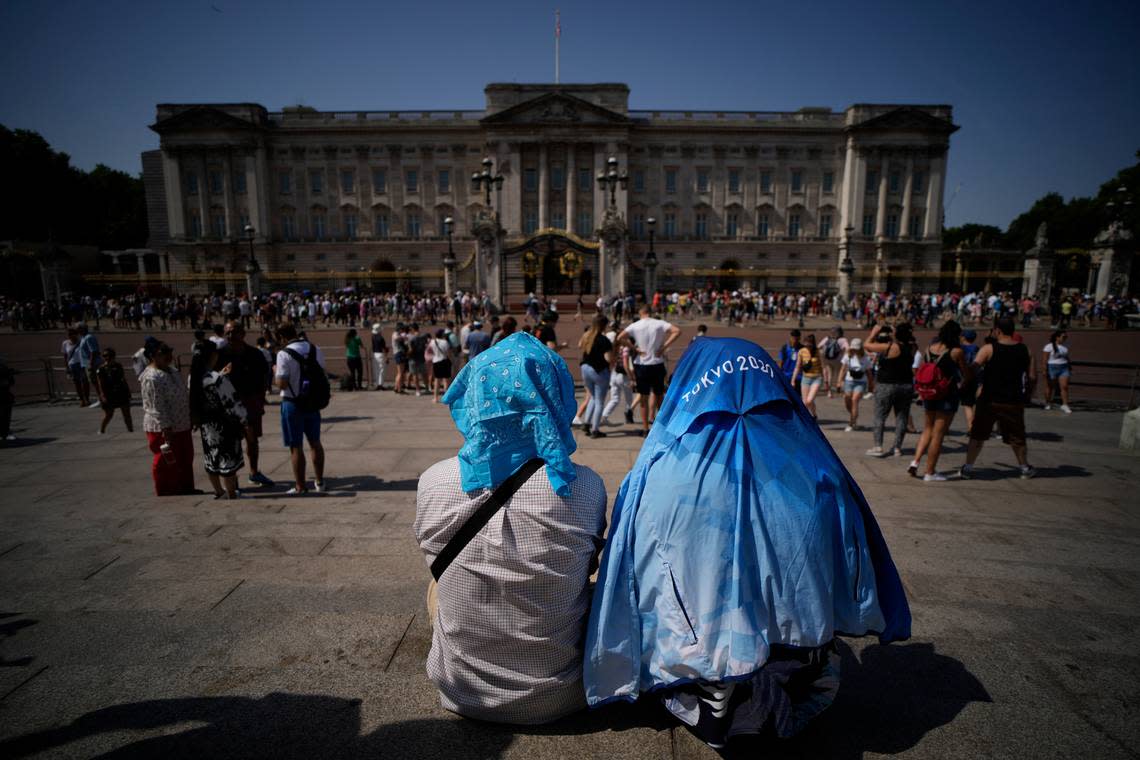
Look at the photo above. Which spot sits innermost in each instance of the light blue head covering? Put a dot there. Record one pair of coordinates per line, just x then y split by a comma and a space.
512, 403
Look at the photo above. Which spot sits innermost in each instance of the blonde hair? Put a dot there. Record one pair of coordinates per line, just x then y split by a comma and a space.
595, 329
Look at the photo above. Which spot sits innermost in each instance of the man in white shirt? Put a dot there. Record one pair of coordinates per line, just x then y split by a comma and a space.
298, 425
651, 337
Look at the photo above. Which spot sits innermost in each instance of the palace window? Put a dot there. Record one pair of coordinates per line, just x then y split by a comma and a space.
443, 181
892, 226
794, 225
797, 181
701, 228
413, 224
732, 224
350, 226
734, 180
239, 183
530, 221
639, 180
380, 229
379, 181
316, 182
530, 180
872, 183
670, 180
285, 182
218, 225
557, 180
917, 185
762, 226
765, 182
670, 229
893, 182
558, 220
195, 225
319, 226
825, 225
347, 181
192, 183
702, 180
916, 226
829, 182
215, 182
412, 181
288, 227
585, 223
584, 183
868, 224
639, 226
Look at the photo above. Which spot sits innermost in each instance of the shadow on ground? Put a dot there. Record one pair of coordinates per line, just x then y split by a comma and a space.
20, 443
9, 628
886, 704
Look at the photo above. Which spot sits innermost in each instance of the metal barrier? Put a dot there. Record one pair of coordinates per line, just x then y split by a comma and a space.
1126, 376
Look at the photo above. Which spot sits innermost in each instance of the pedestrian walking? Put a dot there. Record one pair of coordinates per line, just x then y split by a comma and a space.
936, 383
219, 417
251, 376
809, 371
597, 358
114, 393
834, 350
1057, 370
1010, 376
854, 374
789, 354
89, 358
652, 338
352, 348
379, 357
440, 364
70, 351
304, 388
166, 421
894, 384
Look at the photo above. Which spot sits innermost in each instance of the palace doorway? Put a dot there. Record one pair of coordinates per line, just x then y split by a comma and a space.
550, 264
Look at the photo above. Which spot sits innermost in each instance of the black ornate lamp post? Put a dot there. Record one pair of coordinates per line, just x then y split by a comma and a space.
483, 180
252, 268
650, 263
610, 178
449, 259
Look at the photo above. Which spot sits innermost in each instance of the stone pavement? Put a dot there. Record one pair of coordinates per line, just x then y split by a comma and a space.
295, 627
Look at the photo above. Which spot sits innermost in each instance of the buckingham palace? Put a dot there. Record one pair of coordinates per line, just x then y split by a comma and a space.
551, 188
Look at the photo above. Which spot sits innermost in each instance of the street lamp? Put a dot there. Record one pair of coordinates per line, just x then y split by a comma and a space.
449, 258
251, 267
610, 179
650, 263
483, 180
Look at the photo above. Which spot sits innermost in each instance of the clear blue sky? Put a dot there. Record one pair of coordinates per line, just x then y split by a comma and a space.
1047, 93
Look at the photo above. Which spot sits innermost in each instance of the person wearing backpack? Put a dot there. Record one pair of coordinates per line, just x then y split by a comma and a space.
936, 383
304, 387
834, 350
418, 344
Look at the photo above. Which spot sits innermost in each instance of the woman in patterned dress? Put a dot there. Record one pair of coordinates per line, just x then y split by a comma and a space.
166, 420
220, 417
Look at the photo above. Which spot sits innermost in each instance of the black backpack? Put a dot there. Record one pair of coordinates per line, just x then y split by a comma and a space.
832, 351
314, 393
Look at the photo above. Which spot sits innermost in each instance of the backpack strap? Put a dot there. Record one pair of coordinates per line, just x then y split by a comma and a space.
301, 360
482, 516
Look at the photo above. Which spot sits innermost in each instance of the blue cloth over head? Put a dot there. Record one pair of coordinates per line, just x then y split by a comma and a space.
512, 403
737, 529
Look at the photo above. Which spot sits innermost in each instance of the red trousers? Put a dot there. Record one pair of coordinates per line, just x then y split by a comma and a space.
177, 477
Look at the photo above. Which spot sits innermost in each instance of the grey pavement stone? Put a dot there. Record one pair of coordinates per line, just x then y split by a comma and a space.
295, 627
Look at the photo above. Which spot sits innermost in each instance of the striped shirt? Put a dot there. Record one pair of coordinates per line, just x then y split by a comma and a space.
508, 637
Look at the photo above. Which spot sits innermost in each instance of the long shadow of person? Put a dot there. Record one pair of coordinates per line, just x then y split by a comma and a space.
889, 698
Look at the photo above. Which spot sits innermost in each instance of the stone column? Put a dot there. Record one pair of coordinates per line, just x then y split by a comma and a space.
571, 186
172, 183
204, 195
932, 229
543, 188
600, 198
261, 180
228, 195
908, 188
510, 207
881, 215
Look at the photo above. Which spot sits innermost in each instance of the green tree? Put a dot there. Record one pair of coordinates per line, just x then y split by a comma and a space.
969, 233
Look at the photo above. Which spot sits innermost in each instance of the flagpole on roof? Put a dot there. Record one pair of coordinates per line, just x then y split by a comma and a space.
557, 38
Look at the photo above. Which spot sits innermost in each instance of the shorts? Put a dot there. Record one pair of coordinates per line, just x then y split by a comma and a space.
650, 378
297, 426
401, 360
255, 410
1057, 370
968, 393
416, 366
947, 405
441, 370
77, 373
807, 381
851, 386
1011, 418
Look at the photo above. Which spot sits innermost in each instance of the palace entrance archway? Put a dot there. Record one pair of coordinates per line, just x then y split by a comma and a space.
550, 263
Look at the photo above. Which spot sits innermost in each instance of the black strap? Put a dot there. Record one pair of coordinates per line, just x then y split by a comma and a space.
482, 516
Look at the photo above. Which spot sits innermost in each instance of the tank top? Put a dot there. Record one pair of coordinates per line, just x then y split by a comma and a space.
1005, 374
897, 370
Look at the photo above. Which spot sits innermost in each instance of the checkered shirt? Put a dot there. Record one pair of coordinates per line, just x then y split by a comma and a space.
508, 638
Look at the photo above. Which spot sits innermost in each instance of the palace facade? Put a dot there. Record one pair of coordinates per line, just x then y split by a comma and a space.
810, 200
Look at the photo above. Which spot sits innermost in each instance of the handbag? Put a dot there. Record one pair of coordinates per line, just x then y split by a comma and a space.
482, 516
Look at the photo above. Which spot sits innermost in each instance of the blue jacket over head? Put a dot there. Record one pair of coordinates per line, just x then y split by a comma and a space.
738, 528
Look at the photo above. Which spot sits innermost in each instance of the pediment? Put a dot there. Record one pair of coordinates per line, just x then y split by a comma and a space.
906, 119
202, 119
556, 108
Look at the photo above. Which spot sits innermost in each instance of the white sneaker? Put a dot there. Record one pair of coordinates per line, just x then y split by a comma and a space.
419, 393
936, 477
294, 491
1065, 408
876, 451
1048, 407
848, 429
318, 486
93, 404
577, 420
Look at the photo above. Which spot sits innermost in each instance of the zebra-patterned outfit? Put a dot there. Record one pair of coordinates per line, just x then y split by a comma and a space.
223, 420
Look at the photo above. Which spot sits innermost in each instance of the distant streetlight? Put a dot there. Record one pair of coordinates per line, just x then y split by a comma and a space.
483, 180
611, 178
